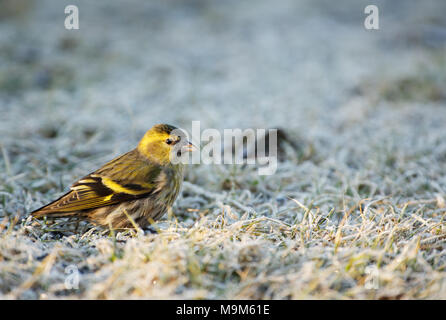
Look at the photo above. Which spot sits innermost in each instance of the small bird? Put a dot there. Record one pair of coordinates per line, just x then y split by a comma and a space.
133, 188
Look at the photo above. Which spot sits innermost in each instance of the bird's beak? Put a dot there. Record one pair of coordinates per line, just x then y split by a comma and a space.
189, 147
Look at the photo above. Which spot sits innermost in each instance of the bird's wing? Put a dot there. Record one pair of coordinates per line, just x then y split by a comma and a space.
122, 179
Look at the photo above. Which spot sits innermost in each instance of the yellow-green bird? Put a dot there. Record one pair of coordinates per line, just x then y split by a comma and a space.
135, 187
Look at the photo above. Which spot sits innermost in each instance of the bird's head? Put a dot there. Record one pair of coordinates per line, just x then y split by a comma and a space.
162, 142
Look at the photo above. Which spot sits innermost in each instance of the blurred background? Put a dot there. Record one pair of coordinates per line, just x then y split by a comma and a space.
227, 63
309, 67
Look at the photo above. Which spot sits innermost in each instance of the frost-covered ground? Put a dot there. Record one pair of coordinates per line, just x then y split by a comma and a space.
356, 211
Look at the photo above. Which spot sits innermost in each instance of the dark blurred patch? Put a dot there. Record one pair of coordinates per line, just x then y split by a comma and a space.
287, 146
230, 184
68, 43
423, 88
41, 257
248, 255
426, 84
398, 296
428, 33
27, 55
55, 76
43, 78
12, 81
10, 9
16, 79
89, 132
431, 36
365, 190
48, 132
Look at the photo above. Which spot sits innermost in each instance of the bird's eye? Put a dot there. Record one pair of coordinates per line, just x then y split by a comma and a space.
169, 141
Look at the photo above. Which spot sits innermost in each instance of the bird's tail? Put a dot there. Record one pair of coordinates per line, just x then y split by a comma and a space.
53, 209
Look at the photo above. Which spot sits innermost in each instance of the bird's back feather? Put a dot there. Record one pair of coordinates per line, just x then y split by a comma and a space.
122, 179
